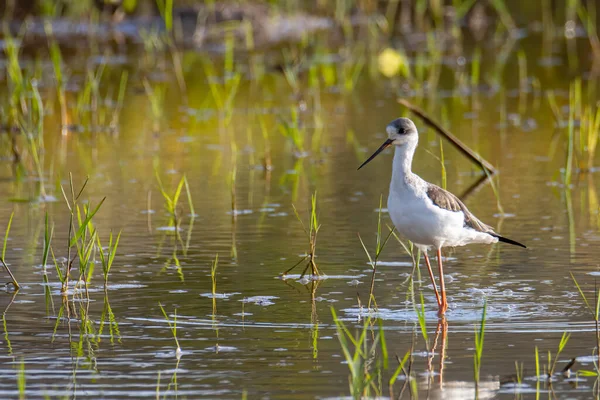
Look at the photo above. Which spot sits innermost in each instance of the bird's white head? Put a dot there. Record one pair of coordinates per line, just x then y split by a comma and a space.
401, 132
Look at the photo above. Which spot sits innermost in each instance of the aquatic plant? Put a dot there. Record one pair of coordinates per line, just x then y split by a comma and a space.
165, 7
108, 257
224, 93
82, 237
267, 162
294, 132
114, 123
213, 279
552, 364
420, 310
379, 245
59, 78
3, 258
173, 328
595, 312
21, 380
172, 200
156, 96
361, 379
479, 338
108, 318
311, 235
367, 361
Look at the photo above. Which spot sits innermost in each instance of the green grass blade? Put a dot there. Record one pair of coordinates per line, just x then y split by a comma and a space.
399, 368
58, 270
384, 350
84, 225
113, 250
585, 300
189, 196
6, 235
366, 252
47, 241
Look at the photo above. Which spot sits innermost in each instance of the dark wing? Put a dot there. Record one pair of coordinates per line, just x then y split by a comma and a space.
446, 200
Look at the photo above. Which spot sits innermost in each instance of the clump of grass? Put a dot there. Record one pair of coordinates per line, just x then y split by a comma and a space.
173, 328
378, 249
6, 232
587, 138
362, 359
81, 238
588, 17
171, 201
294, 133
223, 93
552, 364
59, 77
114, 124
156, 96
583, 130
311, 235
351, 68
479, 338
108, 257
361, 379
519, 372
16, 80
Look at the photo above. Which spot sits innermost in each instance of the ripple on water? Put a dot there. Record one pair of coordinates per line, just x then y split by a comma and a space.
260, 300
464, 312
219, 295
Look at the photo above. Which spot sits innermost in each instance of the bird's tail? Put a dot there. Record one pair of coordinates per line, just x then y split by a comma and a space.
507, 240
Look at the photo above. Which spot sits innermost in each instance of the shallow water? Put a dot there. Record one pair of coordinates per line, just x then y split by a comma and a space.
273, 338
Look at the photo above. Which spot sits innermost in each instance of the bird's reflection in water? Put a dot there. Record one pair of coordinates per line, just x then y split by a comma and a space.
453, 389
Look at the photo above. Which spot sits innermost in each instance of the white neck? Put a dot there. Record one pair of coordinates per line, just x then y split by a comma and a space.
403, 156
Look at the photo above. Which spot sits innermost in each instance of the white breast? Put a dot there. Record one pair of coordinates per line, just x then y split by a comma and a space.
416, 217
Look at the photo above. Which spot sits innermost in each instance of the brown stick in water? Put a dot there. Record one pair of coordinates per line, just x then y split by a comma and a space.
463, 148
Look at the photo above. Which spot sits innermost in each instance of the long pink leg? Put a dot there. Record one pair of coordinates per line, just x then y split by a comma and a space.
444, 302
437, 295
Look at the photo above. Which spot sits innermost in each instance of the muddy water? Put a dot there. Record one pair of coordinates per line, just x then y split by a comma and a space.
275, 339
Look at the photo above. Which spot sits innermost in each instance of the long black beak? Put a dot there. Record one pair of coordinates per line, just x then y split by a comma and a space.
384, 146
